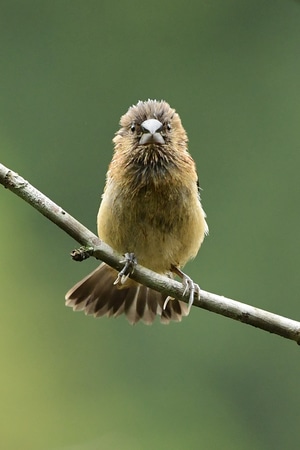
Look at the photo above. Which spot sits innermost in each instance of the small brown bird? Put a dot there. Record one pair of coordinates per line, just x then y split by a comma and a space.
150, 211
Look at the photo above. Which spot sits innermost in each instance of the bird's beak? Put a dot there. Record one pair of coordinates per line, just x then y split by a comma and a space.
151, 129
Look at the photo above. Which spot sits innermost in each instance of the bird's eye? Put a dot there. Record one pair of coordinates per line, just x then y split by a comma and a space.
132, 128
169, 127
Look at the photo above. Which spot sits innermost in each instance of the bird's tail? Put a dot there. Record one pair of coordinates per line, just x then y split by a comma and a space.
97, 295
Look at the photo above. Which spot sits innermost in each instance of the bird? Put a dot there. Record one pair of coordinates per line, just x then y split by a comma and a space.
150, 212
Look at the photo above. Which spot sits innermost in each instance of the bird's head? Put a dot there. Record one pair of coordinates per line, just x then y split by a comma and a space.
151, 126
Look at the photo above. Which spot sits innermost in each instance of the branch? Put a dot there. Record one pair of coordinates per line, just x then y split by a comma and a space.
287, 328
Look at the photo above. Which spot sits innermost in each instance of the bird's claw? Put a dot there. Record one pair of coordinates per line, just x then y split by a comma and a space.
188, 285
167, 301
129, 266
193, 289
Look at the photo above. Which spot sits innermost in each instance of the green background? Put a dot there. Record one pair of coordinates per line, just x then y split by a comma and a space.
69, 70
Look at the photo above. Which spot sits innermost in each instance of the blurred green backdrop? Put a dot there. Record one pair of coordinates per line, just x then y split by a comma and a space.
69, 70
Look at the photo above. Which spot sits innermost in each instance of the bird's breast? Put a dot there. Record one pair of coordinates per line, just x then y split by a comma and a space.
162, 224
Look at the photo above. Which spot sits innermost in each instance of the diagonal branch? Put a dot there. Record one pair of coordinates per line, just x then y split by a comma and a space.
256, 317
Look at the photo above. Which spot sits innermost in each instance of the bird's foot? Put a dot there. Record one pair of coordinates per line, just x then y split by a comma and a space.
189, 286
130, 263
192, 288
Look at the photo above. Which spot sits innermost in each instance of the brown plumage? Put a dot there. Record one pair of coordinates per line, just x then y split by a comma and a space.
150, 207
